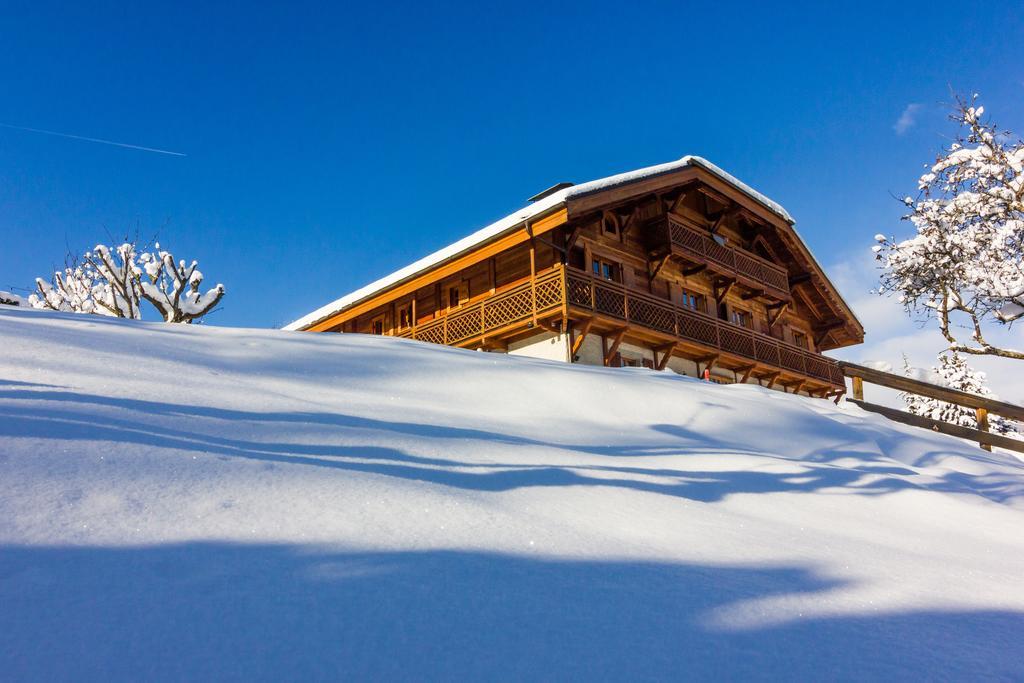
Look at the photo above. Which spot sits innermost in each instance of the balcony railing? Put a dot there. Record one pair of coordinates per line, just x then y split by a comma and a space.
550, 291
519, 304
730, 260
637, 308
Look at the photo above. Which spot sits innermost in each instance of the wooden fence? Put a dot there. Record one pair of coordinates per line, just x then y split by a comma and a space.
983, 407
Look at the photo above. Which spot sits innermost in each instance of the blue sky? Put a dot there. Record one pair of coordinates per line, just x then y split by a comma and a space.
328, 144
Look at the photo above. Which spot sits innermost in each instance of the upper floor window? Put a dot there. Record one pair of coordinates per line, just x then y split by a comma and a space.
607, 270
453, 297
741, 318
693, 301
800, 339
405, 316
377, 326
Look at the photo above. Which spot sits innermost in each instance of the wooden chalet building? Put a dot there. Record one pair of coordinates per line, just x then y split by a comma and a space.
677, 266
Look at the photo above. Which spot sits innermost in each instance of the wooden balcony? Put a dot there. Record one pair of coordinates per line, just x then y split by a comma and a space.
577, 294
495, 314
748, 269
639, 309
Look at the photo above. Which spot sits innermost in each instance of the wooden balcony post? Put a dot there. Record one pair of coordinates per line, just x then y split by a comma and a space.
414, 316
858, 388
533, 278
982, 416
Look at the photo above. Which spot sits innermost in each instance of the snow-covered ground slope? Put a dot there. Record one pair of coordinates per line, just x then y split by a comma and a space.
193, 502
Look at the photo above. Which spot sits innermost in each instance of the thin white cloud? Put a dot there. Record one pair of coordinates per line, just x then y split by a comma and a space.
97, 140
907, 119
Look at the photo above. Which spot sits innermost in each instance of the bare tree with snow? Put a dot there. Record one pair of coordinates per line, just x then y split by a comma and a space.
953, 372
114, 281
965, 266
174, 287
69, 290
117, 292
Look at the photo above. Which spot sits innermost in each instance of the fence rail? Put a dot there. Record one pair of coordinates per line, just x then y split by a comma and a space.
982, 406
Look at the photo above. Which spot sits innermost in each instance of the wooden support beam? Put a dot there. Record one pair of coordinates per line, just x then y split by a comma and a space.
687, 272
800, 279
570, 239
629, 222
753, 294
581, 334
726, 287
662, 260
779, 311
678, 201
709, 363
795, 386
722, 215
610, 352
552, 324
746, 370
666, 352
772, 377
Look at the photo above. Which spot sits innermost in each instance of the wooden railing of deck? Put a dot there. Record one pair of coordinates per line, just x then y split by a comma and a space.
525, 301
982, 406
730, 259
616, 301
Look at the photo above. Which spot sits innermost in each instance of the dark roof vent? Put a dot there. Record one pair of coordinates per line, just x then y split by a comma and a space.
550, 191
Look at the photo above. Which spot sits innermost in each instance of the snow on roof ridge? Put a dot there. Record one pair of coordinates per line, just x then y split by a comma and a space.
525, 213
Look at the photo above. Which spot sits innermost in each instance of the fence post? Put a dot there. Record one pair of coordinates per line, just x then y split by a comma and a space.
982, 416
858, 388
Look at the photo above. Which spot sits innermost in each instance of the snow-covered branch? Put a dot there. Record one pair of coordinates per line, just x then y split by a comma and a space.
965, 265
174, 288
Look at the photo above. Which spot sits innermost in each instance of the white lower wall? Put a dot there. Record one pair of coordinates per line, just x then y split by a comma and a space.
592, 353
546, 345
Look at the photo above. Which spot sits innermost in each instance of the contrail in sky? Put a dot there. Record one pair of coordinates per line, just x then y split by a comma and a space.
82, 137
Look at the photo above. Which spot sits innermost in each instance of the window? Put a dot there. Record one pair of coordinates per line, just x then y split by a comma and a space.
405, 316
800, 339
741, 318
377, 326
610, 225
607, 270
694, 301
453, 297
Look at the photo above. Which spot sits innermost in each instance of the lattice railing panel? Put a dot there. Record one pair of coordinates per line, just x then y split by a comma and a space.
731, 258
610, 302
579, 291
433, 334
791, 359
697, 328
464, 325
549, 294
652, 315
766, 351
736, 340
508, 309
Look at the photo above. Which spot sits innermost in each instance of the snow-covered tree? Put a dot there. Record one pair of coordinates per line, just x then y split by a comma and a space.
955, 373
174, 287
965, 266
70, 290
117, 290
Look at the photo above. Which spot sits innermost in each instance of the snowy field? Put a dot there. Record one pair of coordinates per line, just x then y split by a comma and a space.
198, 503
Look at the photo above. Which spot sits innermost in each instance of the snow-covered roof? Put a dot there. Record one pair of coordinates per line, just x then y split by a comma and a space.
515, 218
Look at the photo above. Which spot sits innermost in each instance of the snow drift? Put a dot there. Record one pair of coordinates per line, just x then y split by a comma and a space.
193, 502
